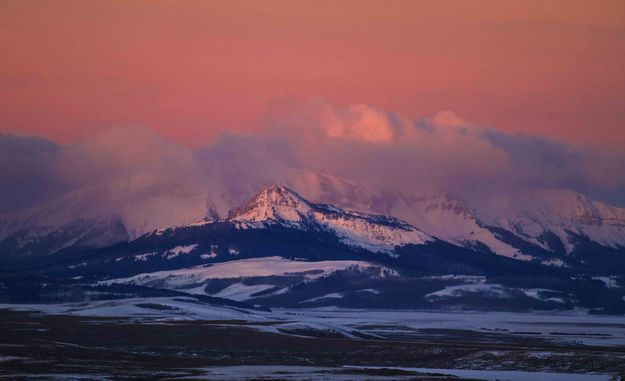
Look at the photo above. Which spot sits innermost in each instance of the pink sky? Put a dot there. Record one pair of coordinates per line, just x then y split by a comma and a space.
191, 69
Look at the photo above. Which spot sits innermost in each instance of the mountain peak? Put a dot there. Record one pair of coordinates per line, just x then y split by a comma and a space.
280, 193
277, 203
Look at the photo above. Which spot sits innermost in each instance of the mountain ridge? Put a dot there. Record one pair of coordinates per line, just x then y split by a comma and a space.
551, 225
282, 250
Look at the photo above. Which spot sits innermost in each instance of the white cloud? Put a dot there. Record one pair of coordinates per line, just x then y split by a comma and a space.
358, 142
359, 122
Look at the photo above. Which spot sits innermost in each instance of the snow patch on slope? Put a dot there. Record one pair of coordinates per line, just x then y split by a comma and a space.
241, 292
192, 279
178, 250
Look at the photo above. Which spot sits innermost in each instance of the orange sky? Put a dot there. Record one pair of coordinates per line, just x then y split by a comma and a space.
190, 69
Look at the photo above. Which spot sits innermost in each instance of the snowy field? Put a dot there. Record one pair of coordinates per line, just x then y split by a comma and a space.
199, 341
566, 327
562, 327
301, 373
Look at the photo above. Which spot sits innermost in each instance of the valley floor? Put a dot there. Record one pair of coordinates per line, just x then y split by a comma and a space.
181, 338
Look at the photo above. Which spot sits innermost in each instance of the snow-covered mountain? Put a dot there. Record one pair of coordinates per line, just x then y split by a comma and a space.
100, 216
142, 204
450, 218
567, 215
319, 231
280, 249
280, 205
554, 226
551, 225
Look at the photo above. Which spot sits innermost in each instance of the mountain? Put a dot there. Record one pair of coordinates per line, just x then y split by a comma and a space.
450, 218
140, 204
277, 221
567, 215
557, 227
280, 205
99, 216
37, 241
283, 250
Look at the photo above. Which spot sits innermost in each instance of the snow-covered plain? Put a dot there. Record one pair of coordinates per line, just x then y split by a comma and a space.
149, 309
563, 327
421, 326
308, 373
507, 375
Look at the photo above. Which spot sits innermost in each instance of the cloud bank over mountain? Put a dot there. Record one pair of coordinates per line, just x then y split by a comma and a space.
359, 142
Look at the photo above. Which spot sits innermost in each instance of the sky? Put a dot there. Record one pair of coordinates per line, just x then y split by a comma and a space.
191, 69
501, 92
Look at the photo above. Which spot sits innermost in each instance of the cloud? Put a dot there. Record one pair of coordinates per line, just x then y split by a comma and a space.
380, 148
33, 169
538, 162
441, 151
27, 171
447, 119
358, 142
121, 152
360, 123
